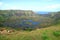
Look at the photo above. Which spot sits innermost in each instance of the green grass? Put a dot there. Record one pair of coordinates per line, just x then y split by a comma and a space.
50, 33
56, 33
45, 36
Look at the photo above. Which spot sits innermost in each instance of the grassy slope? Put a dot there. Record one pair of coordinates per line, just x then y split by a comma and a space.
50, 33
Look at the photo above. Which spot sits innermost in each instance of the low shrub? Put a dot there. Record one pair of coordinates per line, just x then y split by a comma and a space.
45, 37
56, 33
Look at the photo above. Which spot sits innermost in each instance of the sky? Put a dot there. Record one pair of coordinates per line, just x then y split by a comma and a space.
35, 5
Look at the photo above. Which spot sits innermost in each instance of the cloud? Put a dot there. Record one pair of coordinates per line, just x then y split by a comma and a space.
1, 3
13, 8
52, 7
48, 0
8, 7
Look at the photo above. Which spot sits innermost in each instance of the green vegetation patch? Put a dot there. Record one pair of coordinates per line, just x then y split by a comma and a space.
45, 36
56, 33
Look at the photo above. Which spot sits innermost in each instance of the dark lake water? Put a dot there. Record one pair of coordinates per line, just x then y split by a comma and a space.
22, 23
29, 23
